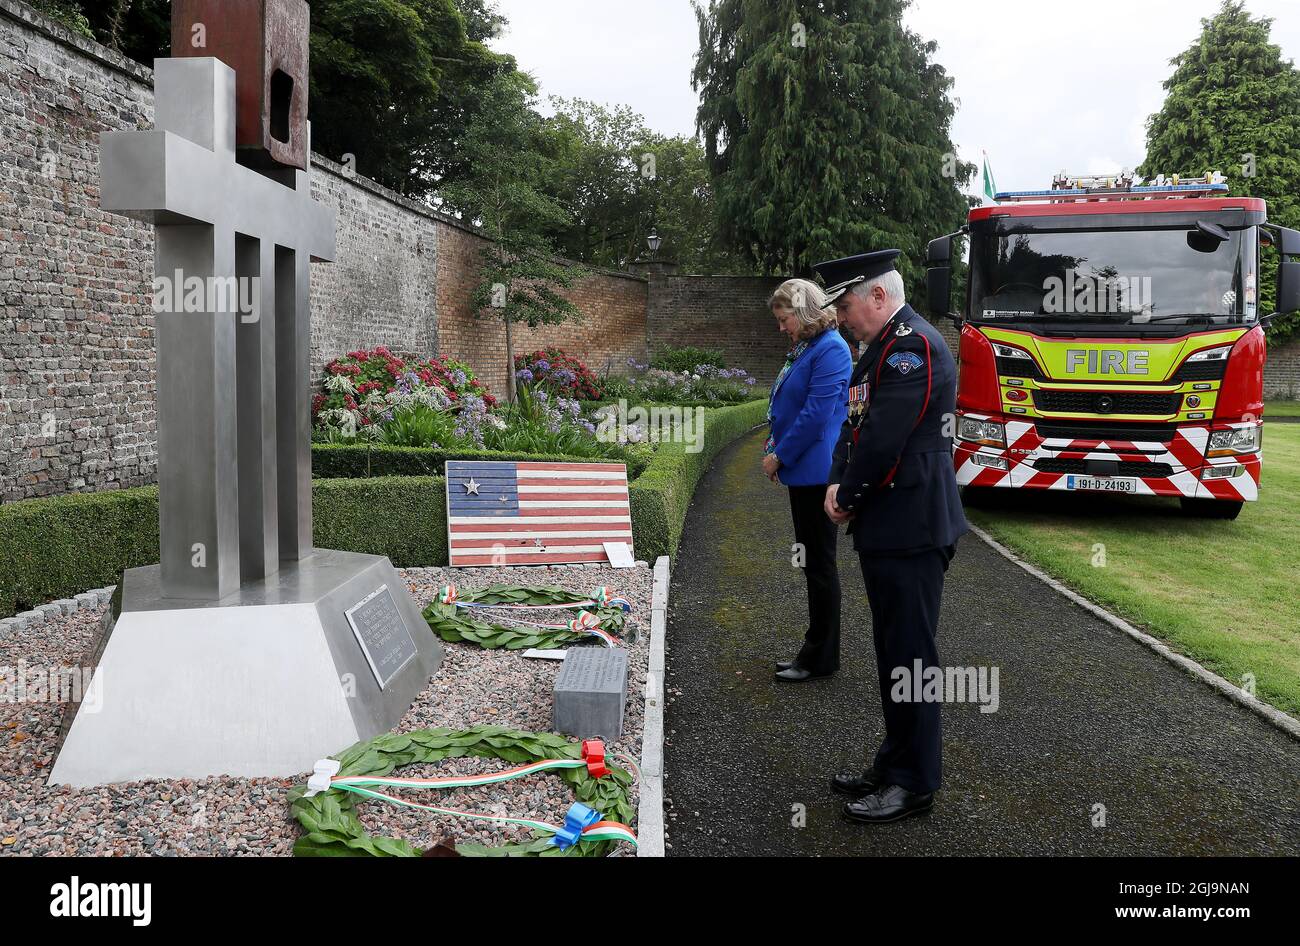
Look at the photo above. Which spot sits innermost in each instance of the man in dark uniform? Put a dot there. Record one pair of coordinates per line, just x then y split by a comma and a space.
892, 481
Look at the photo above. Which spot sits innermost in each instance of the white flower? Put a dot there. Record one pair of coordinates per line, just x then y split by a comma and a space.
340, 384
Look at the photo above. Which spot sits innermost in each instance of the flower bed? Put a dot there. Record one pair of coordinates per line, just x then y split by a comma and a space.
364, 389
707, 384
556, 369
379, 398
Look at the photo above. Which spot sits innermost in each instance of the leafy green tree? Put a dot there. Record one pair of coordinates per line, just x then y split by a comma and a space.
389, 83
511, 154
1233, 105
483, 20
67, 12
392, 81
683, 209
139, 29
597, 179
826, 126
619, 180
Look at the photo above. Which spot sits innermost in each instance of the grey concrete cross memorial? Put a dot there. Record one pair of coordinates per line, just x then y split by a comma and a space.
245, 651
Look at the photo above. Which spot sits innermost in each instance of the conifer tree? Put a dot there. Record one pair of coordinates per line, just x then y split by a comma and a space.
1233, 106
826, 124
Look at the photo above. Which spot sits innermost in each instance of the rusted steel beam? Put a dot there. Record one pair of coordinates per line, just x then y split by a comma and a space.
266, 43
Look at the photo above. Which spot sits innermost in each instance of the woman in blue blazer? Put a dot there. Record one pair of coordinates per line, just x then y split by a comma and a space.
808, 406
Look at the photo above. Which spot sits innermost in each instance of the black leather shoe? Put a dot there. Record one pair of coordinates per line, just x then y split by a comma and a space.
797, 674
891, 803
786, 664
855, 784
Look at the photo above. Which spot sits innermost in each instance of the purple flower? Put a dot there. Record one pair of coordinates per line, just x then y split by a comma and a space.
524, 377
542, 366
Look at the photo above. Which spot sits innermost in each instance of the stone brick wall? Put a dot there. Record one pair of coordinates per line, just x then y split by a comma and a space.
725, 312
612, 331
1282, 375
380, 290
76, 337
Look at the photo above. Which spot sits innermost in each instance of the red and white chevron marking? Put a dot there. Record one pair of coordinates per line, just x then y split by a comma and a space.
1185, 455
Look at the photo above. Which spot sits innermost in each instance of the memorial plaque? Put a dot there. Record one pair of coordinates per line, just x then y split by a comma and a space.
590, 692
383, 636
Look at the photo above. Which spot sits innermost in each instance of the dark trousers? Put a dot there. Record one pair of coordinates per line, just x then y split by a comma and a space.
818, 536
904, 593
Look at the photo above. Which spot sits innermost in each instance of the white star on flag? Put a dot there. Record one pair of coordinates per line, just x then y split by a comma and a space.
471, 488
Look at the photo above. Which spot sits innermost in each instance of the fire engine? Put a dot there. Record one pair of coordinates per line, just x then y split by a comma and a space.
1111, 340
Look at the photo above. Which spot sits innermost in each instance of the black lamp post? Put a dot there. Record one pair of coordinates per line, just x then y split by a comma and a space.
654, 242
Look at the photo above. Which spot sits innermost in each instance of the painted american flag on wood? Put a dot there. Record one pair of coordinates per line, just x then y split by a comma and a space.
508, 513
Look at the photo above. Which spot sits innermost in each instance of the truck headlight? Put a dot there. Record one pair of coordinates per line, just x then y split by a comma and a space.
1006, 351
1226, 443
1212, 354
983, 432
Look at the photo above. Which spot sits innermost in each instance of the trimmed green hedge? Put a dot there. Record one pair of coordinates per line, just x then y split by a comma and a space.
661, 495
403, 517
64, 545
351, 461
60, 546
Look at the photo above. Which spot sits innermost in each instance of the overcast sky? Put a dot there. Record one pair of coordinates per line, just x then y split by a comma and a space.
1042, 85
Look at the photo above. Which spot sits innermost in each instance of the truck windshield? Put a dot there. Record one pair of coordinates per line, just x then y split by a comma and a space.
1110, 276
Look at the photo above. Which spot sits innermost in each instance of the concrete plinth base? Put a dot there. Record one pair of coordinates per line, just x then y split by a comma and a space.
263, 682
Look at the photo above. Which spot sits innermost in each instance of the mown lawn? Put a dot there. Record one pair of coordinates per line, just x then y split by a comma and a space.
1281, 409
1226, 594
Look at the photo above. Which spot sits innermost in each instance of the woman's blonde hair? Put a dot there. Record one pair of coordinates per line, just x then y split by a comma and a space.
808, 303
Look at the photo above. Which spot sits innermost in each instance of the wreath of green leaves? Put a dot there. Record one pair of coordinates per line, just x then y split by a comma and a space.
332, 828
459, 624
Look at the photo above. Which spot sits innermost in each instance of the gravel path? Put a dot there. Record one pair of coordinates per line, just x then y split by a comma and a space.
235, 816
1088, 717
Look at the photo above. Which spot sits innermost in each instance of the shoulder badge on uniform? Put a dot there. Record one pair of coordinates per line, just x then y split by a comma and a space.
904, 330
904, 361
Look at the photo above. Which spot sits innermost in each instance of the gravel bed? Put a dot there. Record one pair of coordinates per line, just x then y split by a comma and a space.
237, 816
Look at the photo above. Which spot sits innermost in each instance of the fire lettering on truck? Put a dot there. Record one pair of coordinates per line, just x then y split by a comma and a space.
1107, 361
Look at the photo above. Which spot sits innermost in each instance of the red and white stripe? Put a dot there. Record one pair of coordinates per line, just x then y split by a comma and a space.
566, 512
1185, 455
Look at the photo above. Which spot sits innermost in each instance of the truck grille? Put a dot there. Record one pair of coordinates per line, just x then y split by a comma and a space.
1019, 368
1087, 430
1107, 402
1080, 468
1201, 371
